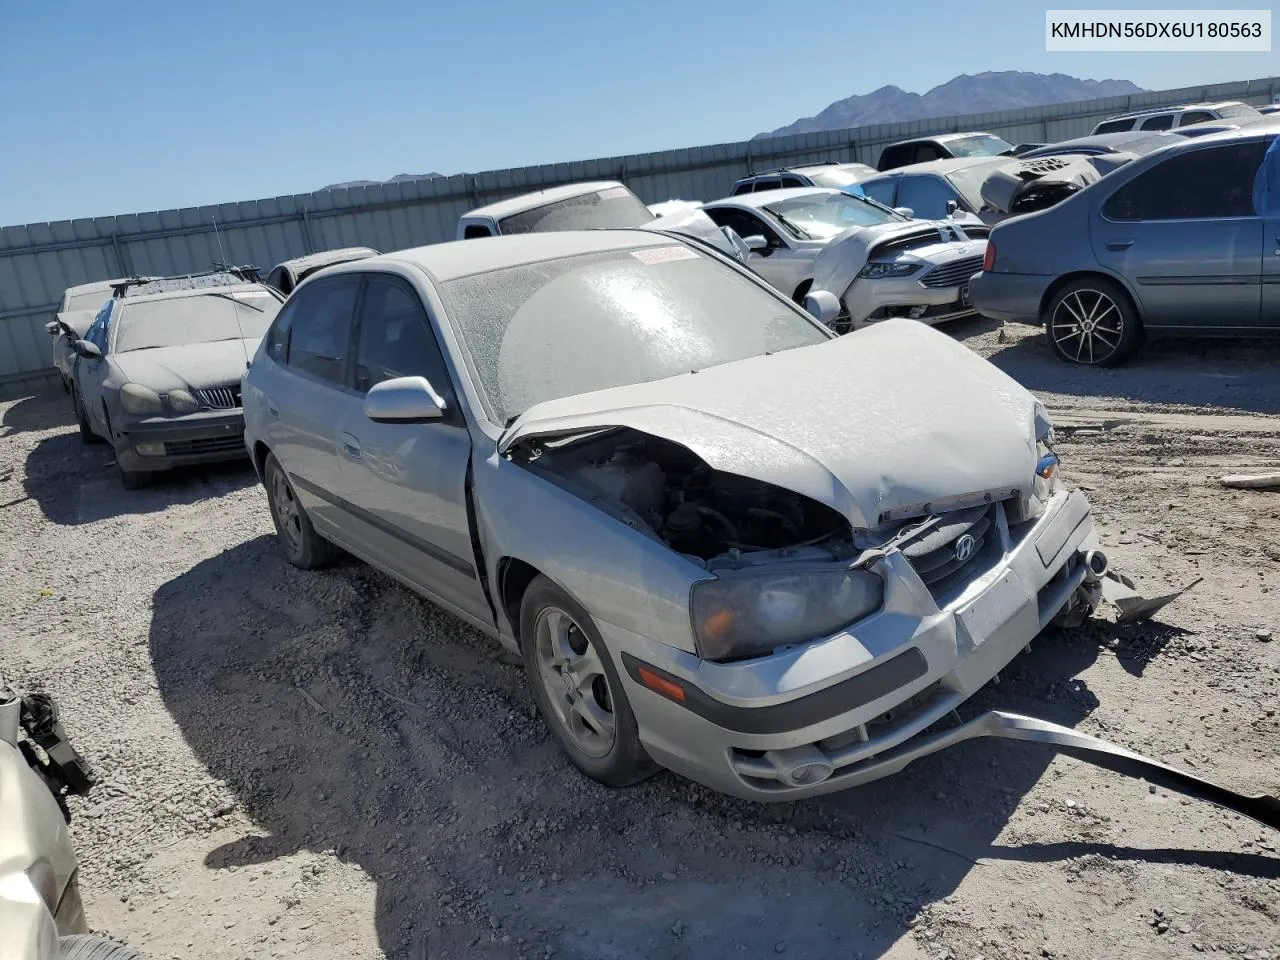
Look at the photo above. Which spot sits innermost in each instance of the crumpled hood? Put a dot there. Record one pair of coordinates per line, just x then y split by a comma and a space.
886, 419
196, 366
693, 222
847, 253
78, 320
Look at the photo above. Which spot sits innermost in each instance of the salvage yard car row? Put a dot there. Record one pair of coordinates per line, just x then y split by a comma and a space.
519, 426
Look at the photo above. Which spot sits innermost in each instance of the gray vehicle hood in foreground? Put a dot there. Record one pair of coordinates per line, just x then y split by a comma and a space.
195, 365
847, 253
889, 418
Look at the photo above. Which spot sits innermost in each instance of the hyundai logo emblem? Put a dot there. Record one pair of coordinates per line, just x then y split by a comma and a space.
965, 547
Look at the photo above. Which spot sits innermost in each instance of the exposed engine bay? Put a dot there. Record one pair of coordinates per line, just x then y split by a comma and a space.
717, 519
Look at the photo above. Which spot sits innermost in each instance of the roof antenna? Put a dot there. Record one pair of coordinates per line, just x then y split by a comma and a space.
217, 236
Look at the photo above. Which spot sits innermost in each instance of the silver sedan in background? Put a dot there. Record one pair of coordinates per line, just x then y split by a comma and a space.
723, 539
1181, 241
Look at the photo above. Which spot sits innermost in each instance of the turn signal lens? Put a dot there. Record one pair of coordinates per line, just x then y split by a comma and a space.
989, 258
668, 688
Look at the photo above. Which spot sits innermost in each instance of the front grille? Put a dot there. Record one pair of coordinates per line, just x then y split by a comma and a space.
220, 398
231, 443
932, 553
952, 274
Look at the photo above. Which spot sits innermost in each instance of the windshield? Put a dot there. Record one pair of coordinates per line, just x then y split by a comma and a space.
203, 318
983, 145
558, 328
969, 180
1237, 110
838, 177
612, 207
87, 301
820, 216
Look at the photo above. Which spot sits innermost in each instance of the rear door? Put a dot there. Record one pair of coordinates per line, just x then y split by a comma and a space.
306, 394
407, 481
1267, 196
779, 263
1186, 236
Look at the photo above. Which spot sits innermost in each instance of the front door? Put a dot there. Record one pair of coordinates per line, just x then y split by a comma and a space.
1267, 195
407, 481
1185, 234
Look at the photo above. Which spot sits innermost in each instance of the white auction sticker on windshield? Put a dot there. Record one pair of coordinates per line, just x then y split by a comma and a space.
652, 255
614, 193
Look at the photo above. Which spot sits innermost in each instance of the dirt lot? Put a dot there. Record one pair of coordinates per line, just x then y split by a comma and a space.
322, 765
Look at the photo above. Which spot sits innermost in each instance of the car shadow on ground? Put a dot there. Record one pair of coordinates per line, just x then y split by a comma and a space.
75, 483
1169, 372
351, 717
43, 411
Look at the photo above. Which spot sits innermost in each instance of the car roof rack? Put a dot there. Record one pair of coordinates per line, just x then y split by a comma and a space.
221, 275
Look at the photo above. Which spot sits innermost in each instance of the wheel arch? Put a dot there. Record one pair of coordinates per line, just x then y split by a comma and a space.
1051, 291
514, 577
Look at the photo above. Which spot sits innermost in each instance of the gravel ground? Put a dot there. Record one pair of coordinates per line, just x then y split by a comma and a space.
322, 765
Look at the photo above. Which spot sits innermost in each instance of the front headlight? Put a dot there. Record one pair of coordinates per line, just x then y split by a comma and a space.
888, 271
180, 401
1046, 479
747, 616
135, 398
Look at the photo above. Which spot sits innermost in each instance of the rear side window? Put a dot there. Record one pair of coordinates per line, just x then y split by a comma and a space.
1163, 121
897, 156
313, 331
1195, 116
475, 231
929, 151
1193, 185
1113, 126
793, 181
742, 187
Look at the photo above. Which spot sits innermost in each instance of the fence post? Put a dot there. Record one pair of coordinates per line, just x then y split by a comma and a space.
122, 262
305, 221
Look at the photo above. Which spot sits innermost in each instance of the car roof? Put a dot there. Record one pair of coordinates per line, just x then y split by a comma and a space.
944, 166
1111, 141
1180, 108
237, 287
464, 258
539, 198
299, 264
757, 200
98, 286
1268, 125
943, 138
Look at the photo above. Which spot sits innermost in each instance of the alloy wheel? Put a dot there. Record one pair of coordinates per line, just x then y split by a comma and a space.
1087, 325
574, 681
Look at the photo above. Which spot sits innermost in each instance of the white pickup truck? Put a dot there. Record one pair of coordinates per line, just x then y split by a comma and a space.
603, 204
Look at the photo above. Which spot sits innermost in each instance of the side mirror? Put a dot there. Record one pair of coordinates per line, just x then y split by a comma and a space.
756, 242
905, 212
952, 207
823, 306
53, 328
88, 350
403, 400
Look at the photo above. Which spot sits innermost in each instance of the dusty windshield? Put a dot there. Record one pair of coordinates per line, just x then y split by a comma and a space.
1238, 110
613, 207
839, 177
981, 146
821, 216
559, 328
202, 318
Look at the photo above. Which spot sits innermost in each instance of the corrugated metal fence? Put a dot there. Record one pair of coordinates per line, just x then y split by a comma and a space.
38, 261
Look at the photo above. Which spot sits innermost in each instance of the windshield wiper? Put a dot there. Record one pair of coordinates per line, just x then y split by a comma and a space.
227, 296
803, 235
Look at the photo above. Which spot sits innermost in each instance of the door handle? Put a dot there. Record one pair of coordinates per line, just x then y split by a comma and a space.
273, 410
1119, 244
350, 446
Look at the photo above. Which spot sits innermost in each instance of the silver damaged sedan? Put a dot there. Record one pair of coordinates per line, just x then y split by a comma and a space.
724, 540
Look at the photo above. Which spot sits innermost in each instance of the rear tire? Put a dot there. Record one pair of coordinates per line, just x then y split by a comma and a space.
577, 689
1091, 322
82, 947
303, 547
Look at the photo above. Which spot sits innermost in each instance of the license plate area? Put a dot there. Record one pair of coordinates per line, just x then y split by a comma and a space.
964, 296
984, 615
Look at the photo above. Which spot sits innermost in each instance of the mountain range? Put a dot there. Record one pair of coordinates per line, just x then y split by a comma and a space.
979, 93
371, 183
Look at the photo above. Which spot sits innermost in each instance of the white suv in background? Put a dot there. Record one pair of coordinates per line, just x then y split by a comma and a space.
1169, 118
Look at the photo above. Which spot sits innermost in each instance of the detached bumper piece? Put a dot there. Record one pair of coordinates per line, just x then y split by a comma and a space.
1119, 591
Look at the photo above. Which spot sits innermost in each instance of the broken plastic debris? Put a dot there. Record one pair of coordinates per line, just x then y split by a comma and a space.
1119, 591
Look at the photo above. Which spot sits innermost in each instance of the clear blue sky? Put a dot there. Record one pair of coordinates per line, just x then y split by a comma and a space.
117, 107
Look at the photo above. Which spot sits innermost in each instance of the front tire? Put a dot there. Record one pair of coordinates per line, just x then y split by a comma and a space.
80, 947
87, 436
1091, 322
577, 688
303, 547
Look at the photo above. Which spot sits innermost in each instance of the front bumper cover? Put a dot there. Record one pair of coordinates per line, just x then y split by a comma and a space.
205, 437
858, 694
